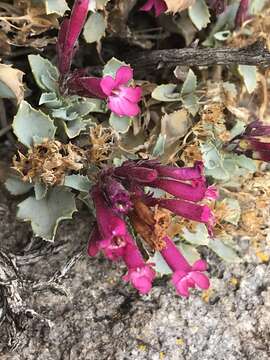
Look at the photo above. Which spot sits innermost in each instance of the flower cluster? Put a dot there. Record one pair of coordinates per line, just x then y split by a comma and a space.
254, 141
122, 97
122, 202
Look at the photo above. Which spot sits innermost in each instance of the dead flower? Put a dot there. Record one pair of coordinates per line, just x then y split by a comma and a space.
150, 224
49, 162
101, 140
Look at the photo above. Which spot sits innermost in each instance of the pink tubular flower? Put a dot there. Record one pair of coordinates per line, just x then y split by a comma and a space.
254, 142
242, 13
122, 196
189, 210
139, 274
184, 173
123, 99
68, 35
192, 192
159, 6
184, 276
111, 228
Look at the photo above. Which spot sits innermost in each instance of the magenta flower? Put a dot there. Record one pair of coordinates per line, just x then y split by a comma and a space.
184, 276
242, 13
111, 232
159, 6
139, 274
190, 173
69, 33
254, 142
123, 98
122, 201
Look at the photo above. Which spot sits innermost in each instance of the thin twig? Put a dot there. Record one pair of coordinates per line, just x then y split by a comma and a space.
255, 54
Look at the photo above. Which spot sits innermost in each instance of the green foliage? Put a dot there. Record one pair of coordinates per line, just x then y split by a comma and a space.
72, 113
46, 213
166, 93
112, 66
78, 182
16, 186
46, 75
56, 6
94, 28
32, 126
225, 166
222, 246
199, 14
121, 124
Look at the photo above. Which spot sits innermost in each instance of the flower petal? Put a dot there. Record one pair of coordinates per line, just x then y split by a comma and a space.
107, 85
184, 173
148, 5
182, 287
200, 279
137, 173
160, 7
123, 75
188, 210
181, 190
123, 107
200, 265
131, 94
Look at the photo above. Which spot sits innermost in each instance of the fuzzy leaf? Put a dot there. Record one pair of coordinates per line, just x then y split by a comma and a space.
160, 264
30, 123
223, 250
189, 252
74, 127
45, 74
120, 123
190, 83
11, 84
199, 14
16, 186
112, 66
200, 237
78, 182
166, 93
94, 28
175, 6
159, 146
40, 190
249, 74
45, 214
56, 6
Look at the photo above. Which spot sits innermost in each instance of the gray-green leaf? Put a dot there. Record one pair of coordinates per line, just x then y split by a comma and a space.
199, 14
45, 214
94, 28
30, 123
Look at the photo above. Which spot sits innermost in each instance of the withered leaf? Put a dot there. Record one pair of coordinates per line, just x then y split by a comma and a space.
11, 85
175, 6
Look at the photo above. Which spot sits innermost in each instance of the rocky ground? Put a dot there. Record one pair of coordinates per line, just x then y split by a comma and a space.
58, 304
